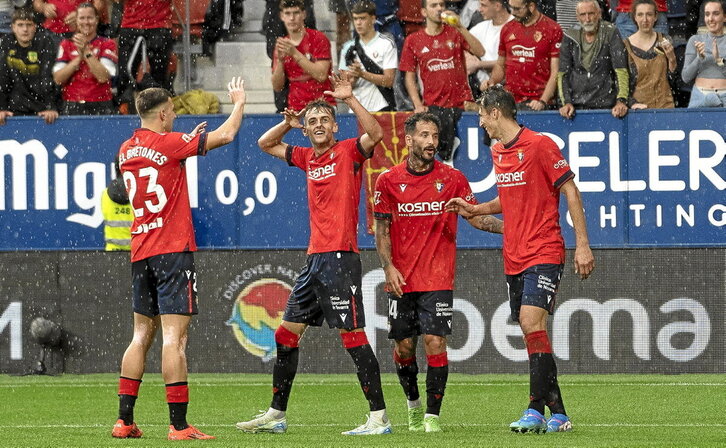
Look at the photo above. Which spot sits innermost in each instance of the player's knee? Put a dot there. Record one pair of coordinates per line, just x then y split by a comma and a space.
406, 348
434, 344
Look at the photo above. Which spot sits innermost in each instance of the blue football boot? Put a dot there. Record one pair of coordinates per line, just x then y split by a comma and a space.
531, 421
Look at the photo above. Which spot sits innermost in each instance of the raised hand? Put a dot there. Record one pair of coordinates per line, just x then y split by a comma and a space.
236, 91
342, 86
292, 118
199, 129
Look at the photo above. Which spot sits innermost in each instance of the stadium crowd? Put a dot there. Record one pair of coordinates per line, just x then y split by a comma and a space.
71, 57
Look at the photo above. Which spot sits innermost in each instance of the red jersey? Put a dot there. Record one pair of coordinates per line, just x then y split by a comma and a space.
82, 85
530, 171
440, 63
303, 87
334, 182
528, 51
62, 9
147, 14
153, 171
423, 234
625, 5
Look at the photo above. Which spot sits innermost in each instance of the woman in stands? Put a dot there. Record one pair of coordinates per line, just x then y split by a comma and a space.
651, 58
705, 55
84, 67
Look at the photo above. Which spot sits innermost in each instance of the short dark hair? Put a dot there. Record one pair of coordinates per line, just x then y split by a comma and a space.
319, 103
497, 97
150, 99
88, 5
409, 126
637, 3
23, 14
284, 4
363, 7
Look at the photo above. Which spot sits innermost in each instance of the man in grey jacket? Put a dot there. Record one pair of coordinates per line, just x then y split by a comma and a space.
593, 65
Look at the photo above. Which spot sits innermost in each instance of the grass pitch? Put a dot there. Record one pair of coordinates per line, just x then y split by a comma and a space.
607, 410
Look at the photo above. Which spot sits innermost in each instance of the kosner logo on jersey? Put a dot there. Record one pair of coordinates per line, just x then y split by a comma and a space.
468, 318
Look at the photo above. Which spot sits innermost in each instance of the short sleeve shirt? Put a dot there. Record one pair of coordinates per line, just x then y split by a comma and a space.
382, 51
303, 88
152, 165
423, 234
528, 51
334, 183
82, 85
147, 14
529, 172
439, 61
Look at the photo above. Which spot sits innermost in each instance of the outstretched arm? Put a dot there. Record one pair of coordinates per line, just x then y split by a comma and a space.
394, 279
226, 132
584, 260
487, 223
467, 210
343, 90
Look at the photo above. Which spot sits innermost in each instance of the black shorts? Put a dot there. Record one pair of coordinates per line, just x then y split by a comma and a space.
328, 287
418, 313
536, 286
165, 284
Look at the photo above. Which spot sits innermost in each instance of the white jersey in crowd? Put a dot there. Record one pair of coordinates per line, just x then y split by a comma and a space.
488, 35
382, 50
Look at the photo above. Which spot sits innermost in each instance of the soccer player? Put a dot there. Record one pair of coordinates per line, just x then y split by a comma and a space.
162, 246
531, 173
329, 286
416, 242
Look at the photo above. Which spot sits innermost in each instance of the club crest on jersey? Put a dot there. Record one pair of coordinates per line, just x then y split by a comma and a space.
520, 155
537, 36
439, 185
403, 187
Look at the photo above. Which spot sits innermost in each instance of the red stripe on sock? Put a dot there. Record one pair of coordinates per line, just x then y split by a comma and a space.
128, 386
286, 337
401, 361
440, 360
538, 342
177, 394
354, 339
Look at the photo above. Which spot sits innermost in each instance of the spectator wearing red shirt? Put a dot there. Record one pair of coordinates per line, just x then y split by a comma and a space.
529, 57
84, 67
60, 15
531, 174
150, 19
301, 59
435, 54
626, 25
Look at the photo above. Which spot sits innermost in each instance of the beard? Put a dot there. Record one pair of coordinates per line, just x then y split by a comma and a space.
525, 18
589, 27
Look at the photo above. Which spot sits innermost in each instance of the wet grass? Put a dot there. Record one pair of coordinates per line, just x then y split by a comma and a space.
607, 411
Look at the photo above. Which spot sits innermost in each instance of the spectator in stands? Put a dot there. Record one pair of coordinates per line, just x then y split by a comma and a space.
372, 60
301, 59
593, 65
626, 25
705, 55
272, 26
529, 56
435, 54
84, 67
26, 80
495, 14
150, 19
651, 58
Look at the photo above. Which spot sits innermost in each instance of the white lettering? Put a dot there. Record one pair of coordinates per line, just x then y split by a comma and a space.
656, 160
700, 328
718, 222
224, 177
705, 165
605, 216
13, 316
682, 215
577, 161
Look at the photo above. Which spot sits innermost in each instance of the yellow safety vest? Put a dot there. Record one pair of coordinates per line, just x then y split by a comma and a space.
117, 220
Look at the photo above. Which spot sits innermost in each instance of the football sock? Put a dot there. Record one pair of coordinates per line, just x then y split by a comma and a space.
554, 399
128, 391
407, 371
285, 368
542, 370
369, 372
177, 396
436, 376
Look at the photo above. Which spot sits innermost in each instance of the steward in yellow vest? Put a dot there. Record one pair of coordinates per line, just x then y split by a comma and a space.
117, 216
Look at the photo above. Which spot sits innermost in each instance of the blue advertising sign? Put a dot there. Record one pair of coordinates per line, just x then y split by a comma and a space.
653, 179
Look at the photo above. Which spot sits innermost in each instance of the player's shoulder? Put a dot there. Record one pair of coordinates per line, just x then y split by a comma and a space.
448, 171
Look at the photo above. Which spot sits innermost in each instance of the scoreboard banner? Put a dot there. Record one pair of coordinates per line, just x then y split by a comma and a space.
652, 179
642, 311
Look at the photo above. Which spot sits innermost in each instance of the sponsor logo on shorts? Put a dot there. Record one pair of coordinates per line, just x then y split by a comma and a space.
444, 309
546, 283
259, 295
339, 304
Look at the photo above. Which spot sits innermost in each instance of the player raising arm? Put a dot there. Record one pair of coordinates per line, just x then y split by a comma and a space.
162, 245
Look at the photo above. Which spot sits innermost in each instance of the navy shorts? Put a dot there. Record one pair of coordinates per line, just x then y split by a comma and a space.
329, 287
418, 313
165, 284
535, 286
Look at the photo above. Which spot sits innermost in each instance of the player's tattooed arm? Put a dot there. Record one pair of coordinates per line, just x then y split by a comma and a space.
487, 223
394, 279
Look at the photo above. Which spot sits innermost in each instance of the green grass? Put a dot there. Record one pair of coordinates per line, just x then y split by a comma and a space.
607, 410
